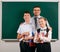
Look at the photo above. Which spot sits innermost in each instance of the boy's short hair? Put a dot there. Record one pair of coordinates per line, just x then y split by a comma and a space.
43, 18
36, 7
26, 12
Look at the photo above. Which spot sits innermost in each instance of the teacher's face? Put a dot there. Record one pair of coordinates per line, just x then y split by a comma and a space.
27, 17
36, 11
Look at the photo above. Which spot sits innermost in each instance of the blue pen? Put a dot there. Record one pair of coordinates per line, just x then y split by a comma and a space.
32, 36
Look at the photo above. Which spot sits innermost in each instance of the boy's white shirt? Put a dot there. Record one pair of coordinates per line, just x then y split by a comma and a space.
25, 28
44, 39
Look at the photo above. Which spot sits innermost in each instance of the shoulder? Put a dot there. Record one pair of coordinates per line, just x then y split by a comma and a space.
49, 30
41, 16
21, 24
32, 17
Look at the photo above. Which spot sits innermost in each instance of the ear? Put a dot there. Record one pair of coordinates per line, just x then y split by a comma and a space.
40, 11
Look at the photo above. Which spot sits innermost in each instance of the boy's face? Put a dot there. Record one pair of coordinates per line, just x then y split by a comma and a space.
27, 16
36, 11
42, 22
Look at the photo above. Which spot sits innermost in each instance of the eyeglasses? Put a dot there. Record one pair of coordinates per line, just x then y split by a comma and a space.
36, 10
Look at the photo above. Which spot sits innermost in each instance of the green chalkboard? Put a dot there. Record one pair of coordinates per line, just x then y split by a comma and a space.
12, 16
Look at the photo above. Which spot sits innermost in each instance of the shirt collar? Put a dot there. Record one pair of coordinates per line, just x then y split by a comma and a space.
43, 28
26, 23
38, 16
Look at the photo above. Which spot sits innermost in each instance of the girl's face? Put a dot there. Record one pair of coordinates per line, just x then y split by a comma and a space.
42, 22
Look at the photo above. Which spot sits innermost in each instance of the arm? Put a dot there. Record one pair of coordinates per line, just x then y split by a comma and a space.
28, 38
20, 37
35, 37
49, 25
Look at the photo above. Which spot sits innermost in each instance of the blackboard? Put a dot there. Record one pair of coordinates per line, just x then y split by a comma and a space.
12, 16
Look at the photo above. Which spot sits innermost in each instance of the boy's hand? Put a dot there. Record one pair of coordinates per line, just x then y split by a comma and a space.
26, 38
25, 33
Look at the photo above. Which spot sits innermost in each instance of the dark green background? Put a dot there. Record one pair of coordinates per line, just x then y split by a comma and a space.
12, 16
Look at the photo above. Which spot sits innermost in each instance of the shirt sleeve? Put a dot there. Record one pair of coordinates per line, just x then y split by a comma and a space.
47, 39
20, 39
19, 30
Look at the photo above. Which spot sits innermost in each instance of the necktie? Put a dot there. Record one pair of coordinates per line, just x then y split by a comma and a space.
35, 22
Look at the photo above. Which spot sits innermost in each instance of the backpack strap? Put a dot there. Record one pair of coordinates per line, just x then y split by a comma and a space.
38, 30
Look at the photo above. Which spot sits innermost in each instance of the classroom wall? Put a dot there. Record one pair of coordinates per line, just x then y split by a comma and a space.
14, 46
